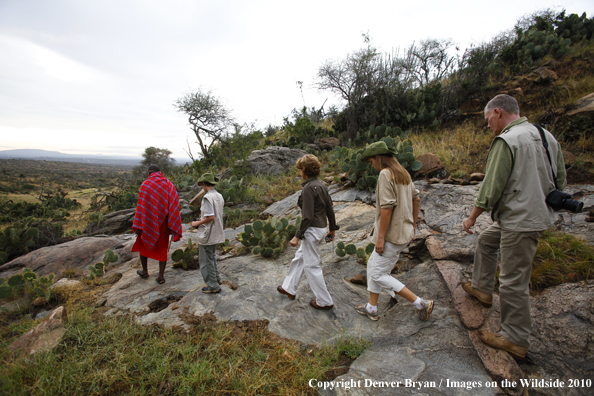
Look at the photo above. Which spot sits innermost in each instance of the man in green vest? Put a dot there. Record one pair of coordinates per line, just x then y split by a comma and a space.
518, 178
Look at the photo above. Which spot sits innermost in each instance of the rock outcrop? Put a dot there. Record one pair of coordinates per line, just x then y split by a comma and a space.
273, 160
402, 347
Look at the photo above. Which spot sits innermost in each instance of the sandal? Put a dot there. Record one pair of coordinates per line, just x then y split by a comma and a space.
160, 280
142, 274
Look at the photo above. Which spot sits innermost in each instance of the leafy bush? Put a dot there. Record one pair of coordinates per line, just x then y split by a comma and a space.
269, 238
52, 207
18, 239
302, 129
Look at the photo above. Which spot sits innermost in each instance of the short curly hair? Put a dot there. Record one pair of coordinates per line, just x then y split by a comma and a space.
309, 164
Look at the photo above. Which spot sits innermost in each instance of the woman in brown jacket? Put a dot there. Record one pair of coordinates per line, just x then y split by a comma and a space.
397, 209
316, 206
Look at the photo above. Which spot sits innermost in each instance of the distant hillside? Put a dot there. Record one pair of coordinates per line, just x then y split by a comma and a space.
46, 155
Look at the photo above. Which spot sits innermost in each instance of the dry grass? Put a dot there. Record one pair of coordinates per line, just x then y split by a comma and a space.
561, 258
461, 148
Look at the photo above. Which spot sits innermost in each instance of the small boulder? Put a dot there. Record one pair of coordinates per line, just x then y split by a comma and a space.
431, 164
582, 105
44, 337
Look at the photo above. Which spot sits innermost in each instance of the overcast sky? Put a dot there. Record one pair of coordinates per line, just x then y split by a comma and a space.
101, 77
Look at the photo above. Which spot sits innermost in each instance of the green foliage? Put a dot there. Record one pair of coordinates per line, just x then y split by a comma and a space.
18, 239
125, 199
269, 238
232, 189
361, 253
157, 156
26, 283
53, 206
186, 258
99, 268
231, 151
362, 174
545, 37
302, 129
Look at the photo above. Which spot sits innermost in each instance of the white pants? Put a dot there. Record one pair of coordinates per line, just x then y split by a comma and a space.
307, 259
379, 268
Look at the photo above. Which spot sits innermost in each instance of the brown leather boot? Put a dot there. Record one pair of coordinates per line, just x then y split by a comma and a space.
485, 299
497, 341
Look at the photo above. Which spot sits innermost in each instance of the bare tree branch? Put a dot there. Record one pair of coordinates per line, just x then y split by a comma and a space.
207, 116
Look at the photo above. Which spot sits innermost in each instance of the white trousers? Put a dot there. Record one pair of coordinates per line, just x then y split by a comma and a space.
307, 259
379, 268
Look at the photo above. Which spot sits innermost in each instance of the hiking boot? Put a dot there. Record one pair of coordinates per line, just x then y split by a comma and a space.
362, 309
286, 293
485, 299
497, 341
425, 312
208, 289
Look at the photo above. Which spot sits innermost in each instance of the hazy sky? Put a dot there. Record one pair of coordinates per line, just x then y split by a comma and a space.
101, 77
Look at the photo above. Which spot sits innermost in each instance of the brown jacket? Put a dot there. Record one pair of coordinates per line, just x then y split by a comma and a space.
316, 206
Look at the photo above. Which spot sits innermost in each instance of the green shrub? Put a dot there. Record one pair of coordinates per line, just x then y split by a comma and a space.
18, 239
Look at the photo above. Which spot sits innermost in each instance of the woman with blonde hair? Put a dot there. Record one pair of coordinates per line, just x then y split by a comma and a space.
397, 210
316, 206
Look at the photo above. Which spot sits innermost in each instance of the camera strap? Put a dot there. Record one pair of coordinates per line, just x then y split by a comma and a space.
546, 146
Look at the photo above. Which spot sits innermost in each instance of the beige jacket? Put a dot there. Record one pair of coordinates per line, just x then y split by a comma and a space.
400, 197
522, 206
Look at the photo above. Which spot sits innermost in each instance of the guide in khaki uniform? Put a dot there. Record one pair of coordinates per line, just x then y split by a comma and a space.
210, 232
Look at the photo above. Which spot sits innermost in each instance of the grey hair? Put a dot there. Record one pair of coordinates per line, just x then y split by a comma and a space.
503, 102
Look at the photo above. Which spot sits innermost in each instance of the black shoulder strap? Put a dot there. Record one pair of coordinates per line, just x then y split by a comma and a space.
546, 146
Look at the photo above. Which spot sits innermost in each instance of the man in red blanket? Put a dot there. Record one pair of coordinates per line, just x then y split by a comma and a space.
157, 217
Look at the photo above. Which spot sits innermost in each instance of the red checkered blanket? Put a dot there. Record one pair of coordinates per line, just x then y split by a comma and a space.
157, 198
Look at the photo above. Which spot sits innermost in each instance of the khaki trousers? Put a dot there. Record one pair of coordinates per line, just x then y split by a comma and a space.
517, 252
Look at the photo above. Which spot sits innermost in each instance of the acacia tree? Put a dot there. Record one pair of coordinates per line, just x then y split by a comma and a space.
429, 61
157, 156
207, 116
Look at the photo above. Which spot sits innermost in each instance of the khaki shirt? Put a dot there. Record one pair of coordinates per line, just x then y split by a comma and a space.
400, 197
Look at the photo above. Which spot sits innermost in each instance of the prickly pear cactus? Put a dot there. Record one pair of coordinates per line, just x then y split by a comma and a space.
362, 174
361, 253
98, 269
186, 258
269, 238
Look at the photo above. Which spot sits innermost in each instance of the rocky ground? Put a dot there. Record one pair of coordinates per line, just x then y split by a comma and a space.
440, 356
